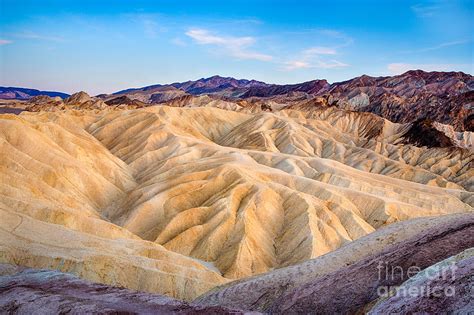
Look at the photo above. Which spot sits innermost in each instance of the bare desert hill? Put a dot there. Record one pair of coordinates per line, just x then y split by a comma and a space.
179, 200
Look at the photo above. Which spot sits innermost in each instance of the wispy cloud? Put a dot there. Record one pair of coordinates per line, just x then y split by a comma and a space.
36, 36
321, 64
330, 64
320, 51
5, 41
425, 10
150, 27
437, 47
314, 57
152, 24
237, 47
296, 64
341, 36
399, 68
330, 32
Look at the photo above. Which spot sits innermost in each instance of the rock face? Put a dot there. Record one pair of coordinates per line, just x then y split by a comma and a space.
51, 292
424, 133
460, 139
125, 100
310, 87
444, 97
349, 279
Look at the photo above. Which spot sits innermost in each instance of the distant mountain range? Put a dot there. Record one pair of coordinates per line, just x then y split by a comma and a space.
204, 85
18, 93
231, 87
446, 97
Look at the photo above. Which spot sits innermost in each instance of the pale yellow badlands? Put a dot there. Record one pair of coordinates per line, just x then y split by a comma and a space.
122, 197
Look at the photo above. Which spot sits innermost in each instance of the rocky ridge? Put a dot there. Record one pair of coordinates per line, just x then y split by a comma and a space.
443, 97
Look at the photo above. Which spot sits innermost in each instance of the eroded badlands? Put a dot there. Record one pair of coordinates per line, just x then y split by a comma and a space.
177, 201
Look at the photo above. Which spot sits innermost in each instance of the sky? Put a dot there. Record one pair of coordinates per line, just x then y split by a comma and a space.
105, 46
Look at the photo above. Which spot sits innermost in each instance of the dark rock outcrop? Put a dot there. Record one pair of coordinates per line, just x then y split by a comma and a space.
311, 87
124, 100
422, 133
30, 291
447, 287
350, 289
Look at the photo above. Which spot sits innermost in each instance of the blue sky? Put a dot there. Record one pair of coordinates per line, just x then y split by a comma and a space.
105, 46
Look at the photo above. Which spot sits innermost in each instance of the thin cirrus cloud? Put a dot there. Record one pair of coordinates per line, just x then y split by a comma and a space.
321, 64
32, 35
297, 64
314, 57
150, 28
237, 47
240, 47
425, 11
437, 47
320, 56
346, 40
343, 38
320, 51
5, 41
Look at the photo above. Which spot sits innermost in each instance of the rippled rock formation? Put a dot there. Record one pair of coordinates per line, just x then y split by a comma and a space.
177, 201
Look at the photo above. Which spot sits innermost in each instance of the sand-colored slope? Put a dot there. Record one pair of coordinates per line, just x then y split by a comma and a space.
246, 192
125, 262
